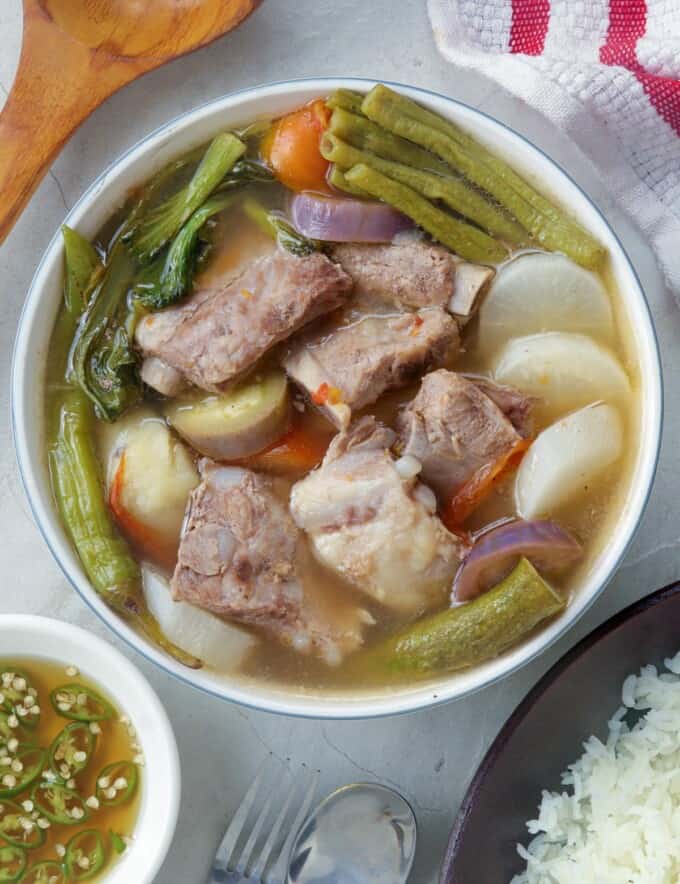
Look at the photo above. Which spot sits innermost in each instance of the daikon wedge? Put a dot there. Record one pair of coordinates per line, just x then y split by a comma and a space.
198, 632
538, 292
563, 371
150, 475
566, 458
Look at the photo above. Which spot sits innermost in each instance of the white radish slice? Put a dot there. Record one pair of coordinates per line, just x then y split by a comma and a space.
566, 458
563, 371
540, 292
194, 630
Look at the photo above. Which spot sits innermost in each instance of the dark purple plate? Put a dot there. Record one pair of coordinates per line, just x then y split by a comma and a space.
574, 699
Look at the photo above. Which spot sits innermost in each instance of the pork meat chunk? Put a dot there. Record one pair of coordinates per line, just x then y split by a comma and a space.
220, 333
345, 367
455, 426
515, 405
374, 528
239, 557
414, 274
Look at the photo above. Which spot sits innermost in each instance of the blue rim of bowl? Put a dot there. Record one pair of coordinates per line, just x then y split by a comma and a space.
517, 716
433, 701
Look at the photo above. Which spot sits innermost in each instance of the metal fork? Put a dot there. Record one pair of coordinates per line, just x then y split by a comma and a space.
268, 819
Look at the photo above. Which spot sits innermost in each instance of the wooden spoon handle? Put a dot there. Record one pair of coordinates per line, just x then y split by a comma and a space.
58, 84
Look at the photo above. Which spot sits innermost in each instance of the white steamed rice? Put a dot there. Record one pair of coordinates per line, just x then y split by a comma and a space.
619, 823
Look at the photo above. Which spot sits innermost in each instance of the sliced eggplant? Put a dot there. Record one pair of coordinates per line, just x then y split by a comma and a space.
238, 423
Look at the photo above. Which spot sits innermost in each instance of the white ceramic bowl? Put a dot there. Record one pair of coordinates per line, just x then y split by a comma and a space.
180, 135
41, 638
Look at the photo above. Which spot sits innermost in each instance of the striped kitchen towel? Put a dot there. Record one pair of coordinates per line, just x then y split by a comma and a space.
603, 71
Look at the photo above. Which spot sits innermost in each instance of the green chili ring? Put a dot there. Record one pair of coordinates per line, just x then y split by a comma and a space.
93, 708
56, 802
13, 862
13, 832
11, 695
47, 872
33, 759
75, 737
88, 844
125, 770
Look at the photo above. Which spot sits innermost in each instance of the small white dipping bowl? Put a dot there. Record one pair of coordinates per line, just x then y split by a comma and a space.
40, 638
190, 130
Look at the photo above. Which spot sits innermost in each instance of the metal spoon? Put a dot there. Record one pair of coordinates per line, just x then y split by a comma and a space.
361, 833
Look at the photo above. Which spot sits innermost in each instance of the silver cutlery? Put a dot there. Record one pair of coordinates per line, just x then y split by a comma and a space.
256, 846
360, 833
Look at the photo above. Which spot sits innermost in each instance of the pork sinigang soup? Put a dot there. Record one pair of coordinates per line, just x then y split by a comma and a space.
339, 399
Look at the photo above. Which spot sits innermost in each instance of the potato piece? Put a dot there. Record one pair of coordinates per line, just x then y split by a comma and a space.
151, 475
238, 423
566, 458
194, 630
563, 371
540, 292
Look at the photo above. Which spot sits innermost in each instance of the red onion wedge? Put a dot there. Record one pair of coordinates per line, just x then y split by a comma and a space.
550, 549
334, 219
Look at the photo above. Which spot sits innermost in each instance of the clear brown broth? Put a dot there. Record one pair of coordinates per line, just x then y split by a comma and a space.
114, 744
591, 518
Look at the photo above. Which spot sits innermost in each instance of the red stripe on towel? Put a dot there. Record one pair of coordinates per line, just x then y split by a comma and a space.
627, 24
529, 27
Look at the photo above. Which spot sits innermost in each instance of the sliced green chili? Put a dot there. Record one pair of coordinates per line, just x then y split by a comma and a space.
11, 693
59, 804
117, 783
13, 862
33, 760
48, 872
117, 842
80, 703
17, 828
72, 749
85, 855
6, 731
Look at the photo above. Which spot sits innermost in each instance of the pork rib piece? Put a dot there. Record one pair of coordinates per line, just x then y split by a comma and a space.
455, 426
414, 274
373, 527
344, 367
238, 557
219, 333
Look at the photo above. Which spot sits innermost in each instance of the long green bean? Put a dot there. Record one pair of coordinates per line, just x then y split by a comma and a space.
456, 193
162, 222
548, 225
467, 241
76, 475
346, 99
76, 480
363, 133
337, 179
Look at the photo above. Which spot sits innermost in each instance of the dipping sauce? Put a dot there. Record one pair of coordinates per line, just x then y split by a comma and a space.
70, 770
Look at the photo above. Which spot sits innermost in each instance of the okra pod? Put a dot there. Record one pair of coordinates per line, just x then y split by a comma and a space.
472, 633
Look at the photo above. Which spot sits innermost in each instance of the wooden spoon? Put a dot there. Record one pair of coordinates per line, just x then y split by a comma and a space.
75, 54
